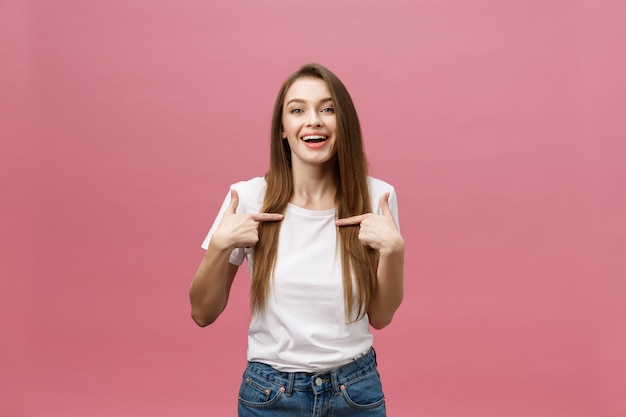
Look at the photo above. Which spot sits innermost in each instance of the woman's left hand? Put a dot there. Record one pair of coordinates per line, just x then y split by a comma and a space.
378, 231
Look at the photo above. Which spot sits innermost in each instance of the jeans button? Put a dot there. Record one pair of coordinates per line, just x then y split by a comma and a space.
318, 381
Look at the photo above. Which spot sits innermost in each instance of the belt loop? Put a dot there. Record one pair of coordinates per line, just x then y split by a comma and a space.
334, 380
290, 382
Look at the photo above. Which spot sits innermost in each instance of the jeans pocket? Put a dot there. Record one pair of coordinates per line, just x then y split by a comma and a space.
365, 392
258, 392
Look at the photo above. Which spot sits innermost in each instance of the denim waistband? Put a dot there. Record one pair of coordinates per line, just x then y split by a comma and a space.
317, 381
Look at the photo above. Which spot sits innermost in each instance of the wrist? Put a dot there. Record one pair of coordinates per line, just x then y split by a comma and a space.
393, 248
219, 244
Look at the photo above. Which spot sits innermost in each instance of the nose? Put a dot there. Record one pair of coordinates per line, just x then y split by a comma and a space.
313, 119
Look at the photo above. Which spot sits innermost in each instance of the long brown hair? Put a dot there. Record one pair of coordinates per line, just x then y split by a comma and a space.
359, 263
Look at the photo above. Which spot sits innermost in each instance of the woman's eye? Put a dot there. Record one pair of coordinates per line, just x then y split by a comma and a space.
296, 111
328, 110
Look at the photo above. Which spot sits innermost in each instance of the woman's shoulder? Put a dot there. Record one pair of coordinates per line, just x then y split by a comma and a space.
379, 187
251, 193
252, 184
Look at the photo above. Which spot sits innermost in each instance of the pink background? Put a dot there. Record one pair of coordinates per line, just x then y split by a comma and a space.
501, 123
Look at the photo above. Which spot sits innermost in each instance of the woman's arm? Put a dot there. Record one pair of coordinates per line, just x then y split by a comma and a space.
390, 287
211, 285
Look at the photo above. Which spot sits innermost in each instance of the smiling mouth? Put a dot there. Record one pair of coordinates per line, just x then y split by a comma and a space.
314, 138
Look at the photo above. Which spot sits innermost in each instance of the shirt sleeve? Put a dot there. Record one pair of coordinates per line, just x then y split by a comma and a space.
237, 255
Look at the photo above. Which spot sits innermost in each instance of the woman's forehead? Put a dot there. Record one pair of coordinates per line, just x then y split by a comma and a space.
307, 89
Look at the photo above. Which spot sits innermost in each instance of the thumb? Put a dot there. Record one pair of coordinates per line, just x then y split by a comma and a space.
234, 201
384, 205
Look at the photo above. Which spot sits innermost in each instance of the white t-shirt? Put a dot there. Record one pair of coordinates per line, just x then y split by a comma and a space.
304, 326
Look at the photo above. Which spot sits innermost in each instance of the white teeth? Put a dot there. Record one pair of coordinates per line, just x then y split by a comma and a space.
313, 137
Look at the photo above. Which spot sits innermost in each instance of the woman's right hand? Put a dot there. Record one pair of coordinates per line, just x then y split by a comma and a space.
240, 230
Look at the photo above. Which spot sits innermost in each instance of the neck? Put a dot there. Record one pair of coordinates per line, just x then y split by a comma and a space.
314, 187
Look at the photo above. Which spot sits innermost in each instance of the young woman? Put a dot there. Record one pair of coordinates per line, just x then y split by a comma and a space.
326, 257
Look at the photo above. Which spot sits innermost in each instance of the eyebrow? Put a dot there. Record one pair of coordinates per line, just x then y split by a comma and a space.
299, 100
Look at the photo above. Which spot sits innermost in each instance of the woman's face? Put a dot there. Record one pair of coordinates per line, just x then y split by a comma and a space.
309, 122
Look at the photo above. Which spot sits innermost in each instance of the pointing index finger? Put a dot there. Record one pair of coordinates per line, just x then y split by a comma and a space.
348, 221
266, 217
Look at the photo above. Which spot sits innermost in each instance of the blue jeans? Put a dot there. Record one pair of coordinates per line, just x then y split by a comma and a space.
353, 389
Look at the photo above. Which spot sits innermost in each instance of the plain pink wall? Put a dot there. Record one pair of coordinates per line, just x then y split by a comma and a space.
501, 123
